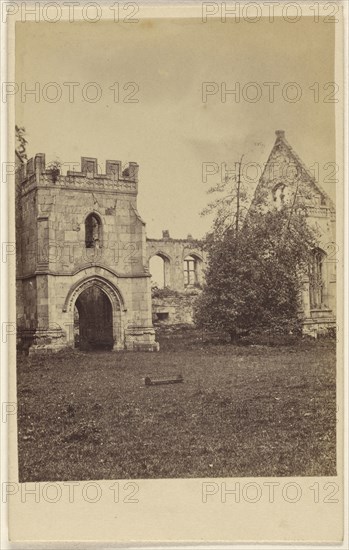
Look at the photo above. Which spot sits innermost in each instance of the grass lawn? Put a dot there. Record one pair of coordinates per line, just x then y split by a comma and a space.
252, 410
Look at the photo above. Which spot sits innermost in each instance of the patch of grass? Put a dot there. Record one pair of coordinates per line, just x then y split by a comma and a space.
250, 410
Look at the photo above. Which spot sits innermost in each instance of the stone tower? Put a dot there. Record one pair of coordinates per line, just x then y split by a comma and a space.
81, 258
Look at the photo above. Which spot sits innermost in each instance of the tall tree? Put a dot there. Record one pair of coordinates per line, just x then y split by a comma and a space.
229, 206
254, 274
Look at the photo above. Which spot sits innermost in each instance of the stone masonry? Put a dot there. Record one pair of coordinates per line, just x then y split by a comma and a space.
173, 305
83, 256
286, 180
74, 233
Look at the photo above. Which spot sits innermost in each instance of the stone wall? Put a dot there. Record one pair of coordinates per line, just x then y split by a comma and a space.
56, 262
173, 305
174, 252
175, 309
287, 181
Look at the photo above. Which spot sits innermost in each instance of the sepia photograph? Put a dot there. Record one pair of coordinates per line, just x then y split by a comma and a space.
176, 249
175, 182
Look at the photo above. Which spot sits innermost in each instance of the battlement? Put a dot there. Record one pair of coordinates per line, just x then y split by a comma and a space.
113, 170
36, 173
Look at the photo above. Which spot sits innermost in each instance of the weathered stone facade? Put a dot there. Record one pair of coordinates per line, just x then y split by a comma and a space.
183, 263
286, 180
83, 256
76, 233
175, 309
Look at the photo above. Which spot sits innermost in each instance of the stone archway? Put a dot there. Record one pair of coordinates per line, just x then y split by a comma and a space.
95, 320
99, 307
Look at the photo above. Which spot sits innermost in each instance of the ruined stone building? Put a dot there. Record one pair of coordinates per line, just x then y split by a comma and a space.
286, 180
83, 258
183, 262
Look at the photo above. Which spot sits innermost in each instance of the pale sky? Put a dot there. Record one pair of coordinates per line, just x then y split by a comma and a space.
170, 132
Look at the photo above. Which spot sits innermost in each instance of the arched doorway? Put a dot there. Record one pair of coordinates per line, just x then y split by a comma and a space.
115, 300
93, 320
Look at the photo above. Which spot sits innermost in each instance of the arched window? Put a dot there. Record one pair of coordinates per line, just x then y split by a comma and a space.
316, 278
191, 267
157, 271
159, 266
93, 231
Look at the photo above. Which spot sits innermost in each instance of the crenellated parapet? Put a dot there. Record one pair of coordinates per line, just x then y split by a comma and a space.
35, 173
113, 170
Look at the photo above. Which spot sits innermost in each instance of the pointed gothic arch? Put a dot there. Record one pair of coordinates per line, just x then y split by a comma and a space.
97, 284
161, 270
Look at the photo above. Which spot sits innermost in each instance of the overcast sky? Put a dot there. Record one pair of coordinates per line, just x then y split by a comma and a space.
171, 132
